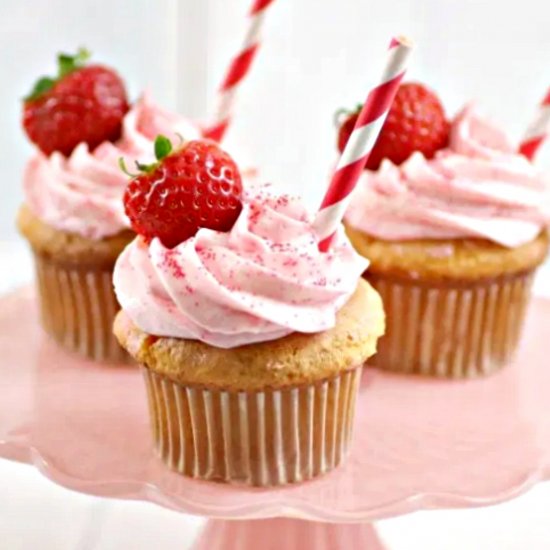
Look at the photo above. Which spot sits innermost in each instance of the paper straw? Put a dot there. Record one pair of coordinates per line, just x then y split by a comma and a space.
238, 69
361, 142
537, 131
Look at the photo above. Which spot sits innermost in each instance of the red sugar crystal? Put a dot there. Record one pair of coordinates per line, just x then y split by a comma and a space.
171, 263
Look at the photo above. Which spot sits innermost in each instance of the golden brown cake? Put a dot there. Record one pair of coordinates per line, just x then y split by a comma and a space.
74, 278
448, 259
70, 248
295, 395
293, 360
455, 307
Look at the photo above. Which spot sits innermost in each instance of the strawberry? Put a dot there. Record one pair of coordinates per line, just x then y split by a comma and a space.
82, 104
416, 122
346, 127
197, 185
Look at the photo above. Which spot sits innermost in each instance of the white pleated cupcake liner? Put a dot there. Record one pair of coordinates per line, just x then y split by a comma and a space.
461, 331
259, 438
78, 307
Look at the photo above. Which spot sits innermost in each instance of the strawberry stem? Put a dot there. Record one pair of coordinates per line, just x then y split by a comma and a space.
163, 147
122, 165
145, 168
66, 64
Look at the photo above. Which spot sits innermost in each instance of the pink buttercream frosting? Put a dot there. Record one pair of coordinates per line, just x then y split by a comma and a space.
478, 187
83, 193
260, 281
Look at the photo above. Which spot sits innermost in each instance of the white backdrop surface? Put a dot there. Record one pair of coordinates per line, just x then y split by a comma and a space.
320, 55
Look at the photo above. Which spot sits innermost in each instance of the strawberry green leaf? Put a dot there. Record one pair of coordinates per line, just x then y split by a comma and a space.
69, 63
43, 85
163, 147
66, 64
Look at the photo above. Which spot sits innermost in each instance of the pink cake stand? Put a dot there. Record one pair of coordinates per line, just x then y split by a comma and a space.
418, 443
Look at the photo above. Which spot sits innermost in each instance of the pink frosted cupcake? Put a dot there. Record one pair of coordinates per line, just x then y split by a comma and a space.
73, 216
454, 235
251, 339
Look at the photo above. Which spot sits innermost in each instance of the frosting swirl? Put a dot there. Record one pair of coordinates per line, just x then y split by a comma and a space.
478, 187
83, 193
260, 281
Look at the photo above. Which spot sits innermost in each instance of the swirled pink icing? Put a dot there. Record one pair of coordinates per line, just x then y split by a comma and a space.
478, 187
260, 281
83, 193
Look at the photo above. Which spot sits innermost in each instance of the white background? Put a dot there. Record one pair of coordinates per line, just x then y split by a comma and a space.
318, 55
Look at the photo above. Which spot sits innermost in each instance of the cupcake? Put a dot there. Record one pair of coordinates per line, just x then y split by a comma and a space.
73, 216
454, 222
251, 340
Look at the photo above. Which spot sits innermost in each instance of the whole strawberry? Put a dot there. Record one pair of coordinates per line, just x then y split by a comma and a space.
197, 185
416, 122
82, 104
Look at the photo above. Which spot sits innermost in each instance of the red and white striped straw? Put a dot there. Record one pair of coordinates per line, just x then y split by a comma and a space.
238, 69
538, 131
361, 142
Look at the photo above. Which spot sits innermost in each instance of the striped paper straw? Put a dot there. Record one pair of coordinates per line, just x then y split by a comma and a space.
238, 69
538, 131
361, 142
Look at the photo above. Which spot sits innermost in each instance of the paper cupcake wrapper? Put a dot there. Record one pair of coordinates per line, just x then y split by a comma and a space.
451, 331
78, 307
264, 438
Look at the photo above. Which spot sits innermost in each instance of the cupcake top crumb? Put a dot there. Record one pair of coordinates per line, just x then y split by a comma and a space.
448, 259
70, 248
289, 361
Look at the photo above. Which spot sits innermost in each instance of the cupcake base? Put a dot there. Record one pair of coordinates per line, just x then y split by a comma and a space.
259, 438
451, 330
299, 535
78, 306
